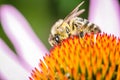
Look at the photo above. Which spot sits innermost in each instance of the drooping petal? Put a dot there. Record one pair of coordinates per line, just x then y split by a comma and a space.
10, 53
106, 14
21, 35
2, 77
9, 66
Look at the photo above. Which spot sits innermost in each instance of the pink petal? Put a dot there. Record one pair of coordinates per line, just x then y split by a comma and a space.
2, 77
9, 66
11, 54
106, 14
27, 45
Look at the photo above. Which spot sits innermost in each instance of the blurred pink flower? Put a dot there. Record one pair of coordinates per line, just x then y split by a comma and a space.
29, 48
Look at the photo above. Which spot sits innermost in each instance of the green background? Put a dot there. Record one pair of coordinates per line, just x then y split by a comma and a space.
41, 15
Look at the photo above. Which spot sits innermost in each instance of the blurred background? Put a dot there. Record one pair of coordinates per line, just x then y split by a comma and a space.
42, 14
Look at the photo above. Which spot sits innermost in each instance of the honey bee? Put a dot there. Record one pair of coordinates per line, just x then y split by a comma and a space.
71, 25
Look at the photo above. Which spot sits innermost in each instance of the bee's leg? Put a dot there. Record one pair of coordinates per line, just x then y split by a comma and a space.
83, 29
81, 34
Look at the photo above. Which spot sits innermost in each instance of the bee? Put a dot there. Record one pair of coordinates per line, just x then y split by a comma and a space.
71, 25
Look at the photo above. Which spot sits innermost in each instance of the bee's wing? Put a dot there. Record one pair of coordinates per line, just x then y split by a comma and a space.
74, 13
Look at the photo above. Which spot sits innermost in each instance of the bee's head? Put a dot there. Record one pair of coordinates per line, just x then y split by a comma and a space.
60, 30
53, 40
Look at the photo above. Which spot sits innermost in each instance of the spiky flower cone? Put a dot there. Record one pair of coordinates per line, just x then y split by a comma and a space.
88, 58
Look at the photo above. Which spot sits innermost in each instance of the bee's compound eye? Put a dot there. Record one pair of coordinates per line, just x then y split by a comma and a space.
57, 39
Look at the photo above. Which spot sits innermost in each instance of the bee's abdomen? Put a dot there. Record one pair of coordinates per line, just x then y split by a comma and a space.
93, 28
89, 27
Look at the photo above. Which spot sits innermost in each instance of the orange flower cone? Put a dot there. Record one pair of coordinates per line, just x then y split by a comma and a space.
88, 58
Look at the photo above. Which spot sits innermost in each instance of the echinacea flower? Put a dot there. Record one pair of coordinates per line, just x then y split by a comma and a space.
88, 58
30, 50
